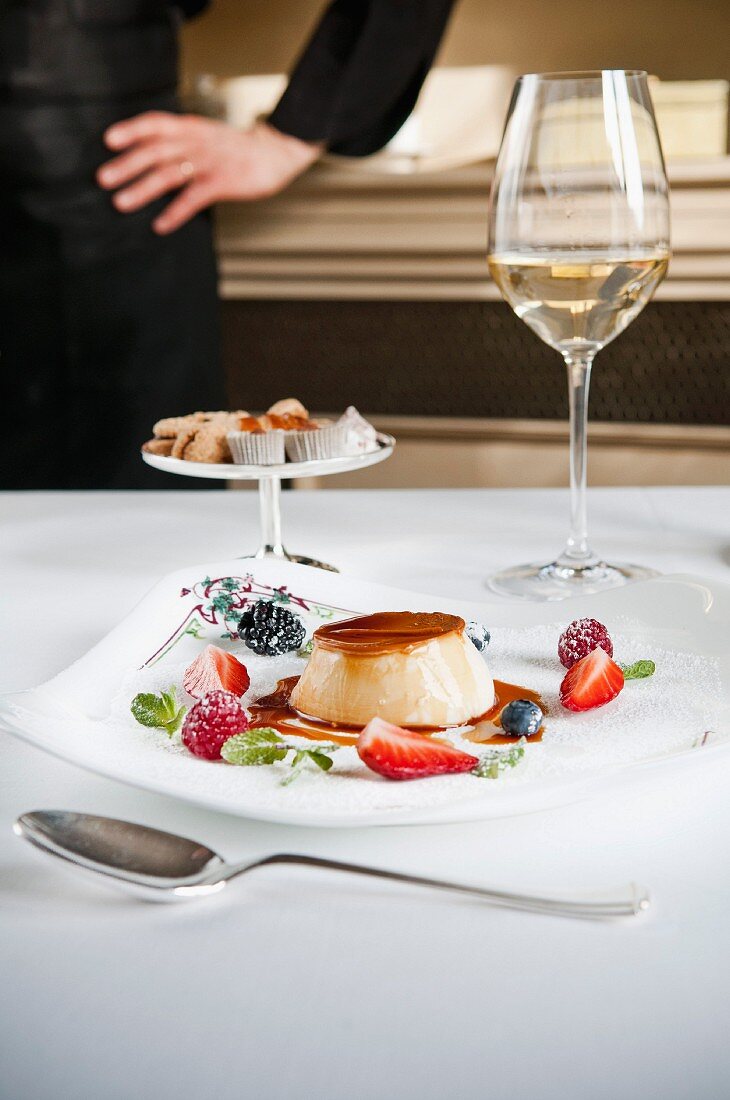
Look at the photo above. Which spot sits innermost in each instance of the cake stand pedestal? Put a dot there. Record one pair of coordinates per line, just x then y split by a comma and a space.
270, 479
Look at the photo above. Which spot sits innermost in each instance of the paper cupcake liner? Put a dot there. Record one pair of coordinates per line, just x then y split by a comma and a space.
329, 442
257, 448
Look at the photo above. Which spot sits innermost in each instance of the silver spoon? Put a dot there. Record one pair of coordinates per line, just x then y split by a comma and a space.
165, 867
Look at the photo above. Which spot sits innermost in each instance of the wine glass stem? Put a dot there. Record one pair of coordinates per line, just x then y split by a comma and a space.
577, 553
270, 511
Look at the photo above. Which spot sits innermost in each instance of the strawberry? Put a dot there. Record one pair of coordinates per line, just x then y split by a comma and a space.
215, 670
591, 682
399, 754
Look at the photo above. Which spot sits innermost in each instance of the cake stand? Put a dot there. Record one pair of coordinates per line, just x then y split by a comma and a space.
269, 479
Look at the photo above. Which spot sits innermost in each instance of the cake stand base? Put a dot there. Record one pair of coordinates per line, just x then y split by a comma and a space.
269, 479
270, 511
301, 559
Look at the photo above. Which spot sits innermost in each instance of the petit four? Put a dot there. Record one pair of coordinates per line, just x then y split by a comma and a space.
285, 432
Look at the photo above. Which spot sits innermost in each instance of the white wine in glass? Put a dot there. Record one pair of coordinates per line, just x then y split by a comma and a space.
578, 243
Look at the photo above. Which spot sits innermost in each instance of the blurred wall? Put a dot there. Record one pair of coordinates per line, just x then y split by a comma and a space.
675, 39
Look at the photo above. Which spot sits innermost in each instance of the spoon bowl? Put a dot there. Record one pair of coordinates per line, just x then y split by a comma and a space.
166, 867
133, 853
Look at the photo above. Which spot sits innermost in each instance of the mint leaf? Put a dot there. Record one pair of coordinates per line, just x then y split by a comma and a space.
302, 757
265, 746
297, 766
323, 748
639, 670
158, 711
254, 747
172, 714
147, 709
321, 760
492, 763
176, 721
306, 650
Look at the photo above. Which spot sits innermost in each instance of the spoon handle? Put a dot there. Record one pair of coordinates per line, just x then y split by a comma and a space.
633, 901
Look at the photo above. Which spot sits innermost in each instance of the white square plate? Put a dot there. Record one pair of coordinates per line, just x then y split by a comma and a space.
682, 623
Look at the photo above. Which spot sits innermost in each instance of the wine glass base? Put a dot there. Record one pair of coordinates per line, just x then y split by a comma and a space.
560, 582
280, 554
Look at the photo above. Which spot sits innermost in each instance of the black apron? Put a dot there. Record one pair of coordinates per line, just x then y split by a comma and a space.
104, 326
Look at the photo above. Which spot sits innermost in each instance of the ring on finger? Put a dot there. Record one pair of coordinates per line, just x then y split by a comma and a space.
187, 169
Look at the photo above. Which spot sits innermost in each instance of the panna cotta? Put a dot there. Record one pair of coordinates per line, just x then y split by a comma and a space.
414, 669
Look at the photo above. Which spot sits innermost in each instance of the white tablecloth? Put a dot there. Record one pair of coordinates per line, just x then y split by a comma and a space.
300, 984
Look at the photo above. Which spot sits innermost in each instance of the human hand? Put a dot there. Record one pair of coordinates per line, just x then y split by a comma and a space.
204, 161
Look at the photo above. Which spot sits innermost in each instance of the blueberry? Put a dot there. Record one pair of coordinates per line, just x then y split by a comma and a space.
521, 718
478, 635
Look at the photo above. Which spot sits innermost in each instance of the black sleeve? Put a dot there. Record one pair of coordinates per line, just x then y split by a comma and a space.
360, 75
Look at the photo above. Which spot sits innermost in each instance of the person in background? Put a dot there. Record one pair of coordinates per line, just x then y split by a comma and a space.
108, 304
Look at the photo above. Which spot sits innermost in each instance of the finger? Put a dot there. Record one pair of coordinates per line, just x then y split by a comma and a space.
195, 197
151, 124
150, 187
141, 159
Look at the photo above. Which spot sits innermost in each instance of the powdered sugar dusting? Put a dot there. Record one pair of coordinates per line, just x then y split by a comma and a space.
651, 718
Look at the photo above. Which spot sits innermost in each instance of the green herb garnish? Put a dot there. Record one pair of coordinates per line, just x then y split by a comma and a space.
639, 670
264, 746
302, 757
159, 711
492, 763
254, 747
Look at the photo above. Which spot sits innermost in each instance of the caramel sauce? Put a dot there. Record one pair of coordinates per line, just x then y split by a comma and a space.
276, 711
386, 632
280, 696
287, 720
504, 693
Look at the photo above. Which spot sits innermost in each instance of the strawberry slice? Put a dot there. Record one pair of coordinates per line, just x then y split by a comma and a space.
215, 670
399, 754
591, 682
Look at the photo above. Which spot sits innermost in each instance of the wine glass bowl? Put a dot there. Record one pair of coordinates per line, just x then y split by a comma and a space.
578, 243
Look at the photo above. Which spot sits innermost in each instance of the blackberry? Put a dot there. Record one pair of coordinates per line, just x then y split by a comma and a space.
478, 635
269, 629
521, 718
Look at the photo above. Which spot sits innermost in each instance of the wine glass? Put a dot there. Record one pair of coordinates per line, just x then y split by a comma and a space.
578, 243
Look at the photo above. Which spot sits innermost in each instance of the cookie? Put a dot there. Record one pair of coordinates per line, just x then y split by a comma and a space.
171, 426
158, 446
209, 443
182, 439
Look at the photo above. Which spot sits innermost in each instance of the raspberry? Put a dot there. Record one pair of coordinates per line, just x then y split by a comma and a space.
213, 719
580, 639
